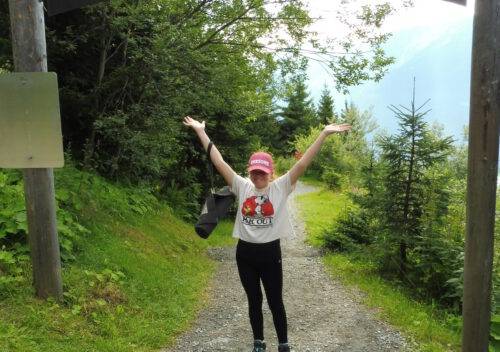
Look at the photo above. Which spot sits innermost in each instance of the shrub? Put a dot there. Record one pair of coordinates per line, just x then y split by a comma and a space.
332, 178
351, 229
282, 165
495, 333
11, 270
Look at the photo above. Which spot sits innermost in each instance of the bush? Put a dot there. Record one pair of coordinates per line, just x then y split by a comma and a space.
351, 229
282, 165
495, 333
332, 179
436, 270
337, 164
11, 270
337, 241
181, 200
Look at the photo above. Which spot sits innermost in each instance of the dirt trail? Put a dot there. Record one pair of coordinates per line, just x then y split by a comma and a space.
323, 315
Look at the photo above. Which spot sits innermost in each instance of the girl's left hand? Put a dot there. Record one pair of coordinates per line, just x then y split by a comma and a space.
194, 124
333, 128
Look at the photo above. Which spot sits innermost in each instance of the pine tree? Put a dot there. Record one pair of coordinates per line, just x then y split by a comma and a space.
298, 116
407, 157
325, 112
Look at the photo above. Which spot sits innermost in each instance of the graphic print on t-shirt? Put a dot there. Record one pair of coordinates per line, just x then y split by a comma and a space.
257, 211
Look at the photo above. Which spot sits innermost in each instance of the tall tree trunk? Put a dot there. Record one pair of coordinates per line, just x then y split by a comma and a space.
103, 58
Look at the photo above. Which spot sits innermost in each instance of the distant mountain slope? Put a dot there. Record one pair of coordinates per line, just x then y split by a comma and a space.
439, 59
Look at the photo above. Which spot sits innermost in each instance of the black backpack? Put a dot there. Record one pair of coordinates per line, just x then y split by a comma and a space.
217, 204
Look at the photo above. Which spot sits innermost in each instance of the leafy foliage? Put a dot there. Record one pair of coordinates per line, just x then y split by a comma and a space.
128, 72
103, 294
350, 230
342, 157
14, 253
73, 196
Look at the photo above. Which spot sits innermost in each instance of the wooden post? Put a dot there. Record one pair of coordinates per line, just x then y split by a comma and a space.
484, 129
30, 55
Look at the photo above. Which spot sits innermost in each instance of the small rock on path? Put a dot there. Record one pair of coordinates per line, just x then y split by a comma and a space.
323, 315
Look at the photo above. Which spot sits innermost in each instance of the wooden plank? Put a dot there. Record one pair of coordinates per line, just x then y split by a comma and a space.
484, 130
56, 7
30, 55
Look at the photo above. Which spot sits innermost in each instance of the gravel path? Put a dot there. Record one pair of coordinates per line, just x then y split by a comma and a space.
323, 315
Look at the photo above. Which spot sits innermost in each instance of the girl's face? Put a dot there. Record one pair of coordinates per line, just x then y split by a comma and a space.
260, 179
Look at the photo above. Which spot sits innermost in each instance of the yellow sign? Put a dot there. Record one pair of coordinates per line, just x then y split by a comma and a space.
30, 121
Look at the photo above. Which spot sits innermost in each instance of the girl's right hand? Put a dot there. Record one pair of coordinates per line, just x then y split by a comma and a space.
194, 124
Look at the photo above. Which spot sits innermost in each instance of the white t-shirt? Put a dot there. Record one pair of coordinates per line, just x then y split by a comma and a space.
262, 216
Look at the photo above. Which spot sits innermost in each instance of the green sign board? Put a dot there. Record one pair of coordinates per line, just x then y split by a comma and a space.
30, 121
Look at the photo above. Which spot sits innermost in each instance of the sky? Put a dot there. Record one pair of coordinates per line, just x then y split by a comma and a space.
425, 38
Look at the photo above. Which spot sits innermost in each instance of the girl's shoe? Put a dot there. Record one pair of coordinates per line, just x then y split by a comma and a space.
259, 346
283, 347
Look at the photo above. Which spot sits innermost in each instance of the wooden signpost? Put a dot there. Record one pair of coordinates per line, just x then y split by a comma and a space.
484, 129
30, 55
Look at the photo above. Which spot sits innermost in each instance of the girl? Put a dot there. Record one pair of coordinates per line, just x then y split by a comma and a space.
262, 219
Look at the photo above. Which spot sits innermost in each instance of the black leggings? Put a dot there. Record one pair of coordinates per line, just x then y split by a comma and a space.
256, 262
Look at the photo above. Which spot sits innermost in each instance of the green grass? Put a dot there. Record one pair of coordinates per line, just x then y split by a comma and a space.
165, 272
432, 329
312, 180
221, 237
320, 210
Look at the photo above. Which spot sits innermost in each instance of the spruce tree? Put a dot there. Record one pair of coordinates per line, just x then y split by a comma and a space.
407, 157
326, 113
298, 116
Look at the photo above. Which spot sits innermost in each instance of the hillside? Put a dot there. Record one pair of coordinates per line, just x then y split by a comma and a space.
136, 279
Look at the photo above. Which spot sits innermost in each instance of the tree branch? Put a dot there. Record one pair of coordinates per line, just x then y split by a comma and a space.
224, 26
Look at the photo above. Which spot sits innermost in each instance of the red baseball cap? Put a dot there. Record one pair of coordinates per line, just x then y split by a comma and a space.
261, 161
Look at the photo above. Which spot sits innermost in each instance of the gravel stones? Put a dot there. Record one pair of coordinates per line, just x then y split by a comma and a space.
323, 315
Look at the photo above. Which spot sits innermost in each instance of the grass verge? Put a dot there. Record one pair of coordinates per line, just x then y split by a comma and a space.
320, 210
137, 280
432, 329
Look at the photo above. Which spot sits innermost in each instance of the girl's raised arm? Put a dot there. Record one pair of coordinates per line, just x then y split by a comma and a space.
222, 167
300, 166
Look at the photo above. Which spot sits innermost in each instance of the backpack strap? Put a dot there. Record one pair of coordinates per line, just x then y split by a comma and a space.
210, 168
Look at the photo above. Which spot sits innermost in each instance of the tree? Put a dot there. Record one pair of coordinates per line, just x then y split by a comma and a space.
342, 158
298, 116
408, 157
129, 70
326, 110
